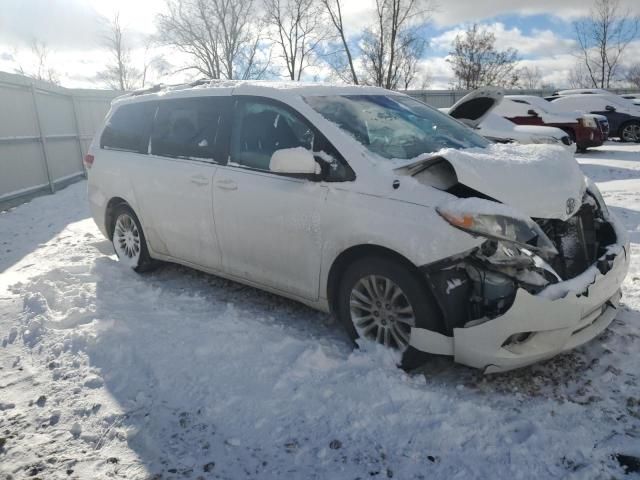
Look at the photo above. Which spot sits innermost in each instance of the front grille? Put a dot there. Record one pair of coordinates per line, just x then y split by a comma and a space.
576, 240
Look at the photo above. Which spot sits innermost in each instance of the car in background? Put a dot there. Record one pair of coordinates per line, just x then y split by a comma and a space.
499, 129
632, 97
584, 130
623, 115
476, 110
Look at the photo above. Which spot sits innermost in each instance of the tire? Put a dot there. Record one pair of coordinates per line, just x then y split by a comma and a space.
129, 241
630, 132
412, 306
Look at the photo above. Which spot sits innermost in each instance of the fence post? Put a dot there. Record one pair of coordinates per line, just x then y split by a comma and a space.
77, 127
43, 142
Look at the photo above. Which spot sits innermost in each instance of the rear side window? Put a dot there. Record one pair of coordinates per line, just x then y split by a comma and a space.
129, 127
192, 128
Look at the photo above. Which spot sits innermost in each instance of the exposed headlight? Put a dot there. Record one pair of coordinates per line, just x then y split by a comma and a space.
544, 139
497, 221
589, 122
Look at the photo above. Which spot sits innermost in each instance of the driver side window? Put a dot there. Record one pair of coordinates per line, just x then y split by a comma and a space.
260, 128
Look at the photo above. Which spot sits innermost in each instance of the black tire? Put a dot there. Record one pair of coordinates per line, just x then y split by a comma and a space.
630, 138
426, 313
144, 262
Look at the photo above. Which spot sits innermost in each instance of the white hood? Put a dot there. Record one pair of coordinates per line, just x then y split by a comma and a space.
542, 181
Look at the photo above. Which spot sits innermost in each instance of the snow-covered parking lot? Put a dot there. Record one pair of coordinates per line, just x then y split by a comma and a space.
177, 374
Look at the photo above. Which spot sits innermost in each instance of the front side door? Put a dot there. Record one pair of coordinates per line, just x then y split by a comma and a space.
269, 225
187, 142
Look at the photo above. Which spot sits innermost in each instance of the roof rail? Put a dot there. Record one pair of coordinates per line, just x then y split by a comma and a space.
200, 81
142, 91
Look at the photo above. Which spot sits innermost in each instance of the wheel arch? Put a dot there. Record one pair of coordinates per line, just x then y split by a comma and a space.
108, 214
628, 121
356, 252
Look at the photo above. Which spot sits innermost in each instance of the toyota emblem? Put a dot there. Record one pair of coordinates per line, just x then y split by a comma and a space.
571, 205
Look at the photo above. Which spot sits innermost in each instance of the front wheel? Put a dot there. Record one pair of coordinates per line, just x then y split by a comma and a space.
382, 300
630, 132
129, 241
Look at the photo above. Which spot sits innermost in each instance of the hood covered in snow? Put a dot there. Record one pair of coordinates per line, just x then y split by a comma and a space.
541, 181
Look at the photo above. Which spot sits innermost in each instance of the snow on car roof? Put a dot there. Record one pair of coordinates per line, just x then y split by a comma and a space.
251, 87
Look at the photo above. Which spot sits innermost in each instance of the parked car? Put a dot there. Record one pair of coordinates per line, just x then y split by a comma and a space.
633, 98
413, 230
498, 129
623, 115
585, 131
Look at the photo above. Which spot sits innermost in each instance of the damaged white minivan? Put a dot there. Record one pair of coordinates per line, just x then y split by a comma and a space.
413, 230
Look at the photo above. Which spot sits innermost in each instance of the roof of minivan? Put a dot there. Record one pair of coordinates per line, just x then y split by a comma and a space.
251, 87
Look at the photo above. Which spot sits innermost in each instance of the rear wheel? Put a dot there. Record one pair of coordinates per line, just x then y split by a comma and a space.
630, 132
129, 241
382, 300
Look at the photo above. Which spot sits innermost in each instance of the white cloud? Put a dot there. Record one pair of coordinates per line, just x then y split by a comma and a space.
540, 42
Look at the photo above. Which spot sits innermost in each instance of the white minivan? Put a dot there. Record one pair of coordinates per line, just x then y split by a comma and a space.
410, 228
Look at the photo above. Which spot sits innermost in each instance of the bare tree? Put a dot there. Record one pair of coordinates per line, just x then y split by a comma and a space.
43, 69
120, 74
603, 38
632, 75
298, 29
221, 37
578, 77
392, 47
334, 10
476, 62
530, 77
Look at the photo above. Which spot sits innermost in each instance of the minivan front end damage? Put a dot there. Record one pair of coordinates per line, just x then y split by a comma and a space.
507, 303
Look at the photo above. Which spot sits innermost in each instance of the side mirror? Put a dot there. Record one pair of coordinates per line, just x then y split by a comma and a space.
294, 161
610, 108
532, 112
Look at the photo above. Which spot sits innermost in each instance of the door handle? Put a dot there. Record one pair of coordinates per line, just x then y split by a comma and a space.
199, 180
226, 184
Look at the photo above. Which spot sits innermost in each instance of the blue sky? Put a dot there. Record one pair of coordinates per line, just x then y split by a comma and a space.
540, 30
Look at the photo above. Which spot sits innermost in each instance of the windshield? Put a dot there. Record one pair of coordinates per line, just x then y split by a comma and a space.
395, 126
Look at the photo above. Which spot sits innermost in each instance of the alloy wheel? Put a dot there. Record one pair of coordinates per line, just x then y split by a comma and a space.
126, 240
631, 133
381, 311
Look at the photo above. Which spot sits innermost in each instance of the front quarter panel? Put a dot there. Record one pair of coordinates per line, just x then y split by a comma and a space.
414, 231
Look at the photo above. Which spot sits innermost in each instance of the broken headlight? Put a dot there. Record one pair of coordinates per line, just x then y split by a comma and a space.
496, 221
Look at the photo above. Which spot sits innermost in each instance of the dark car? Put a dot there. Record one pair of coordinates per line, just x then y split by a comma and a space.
623, 115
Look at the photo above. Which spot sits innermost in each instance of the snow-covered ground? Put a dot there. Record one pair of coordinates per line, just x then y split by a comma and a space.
177, 374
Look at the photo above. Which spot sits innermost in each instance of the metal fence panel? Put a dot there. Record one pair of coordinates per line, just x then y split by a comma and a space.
44, 132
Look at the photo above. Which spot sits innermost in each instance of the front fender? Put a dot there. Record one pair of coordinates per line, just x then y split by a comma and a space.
414, 231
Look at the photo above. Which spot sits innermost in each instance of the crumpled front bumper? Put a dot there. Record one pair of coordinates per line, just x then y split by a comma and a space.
554, 326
